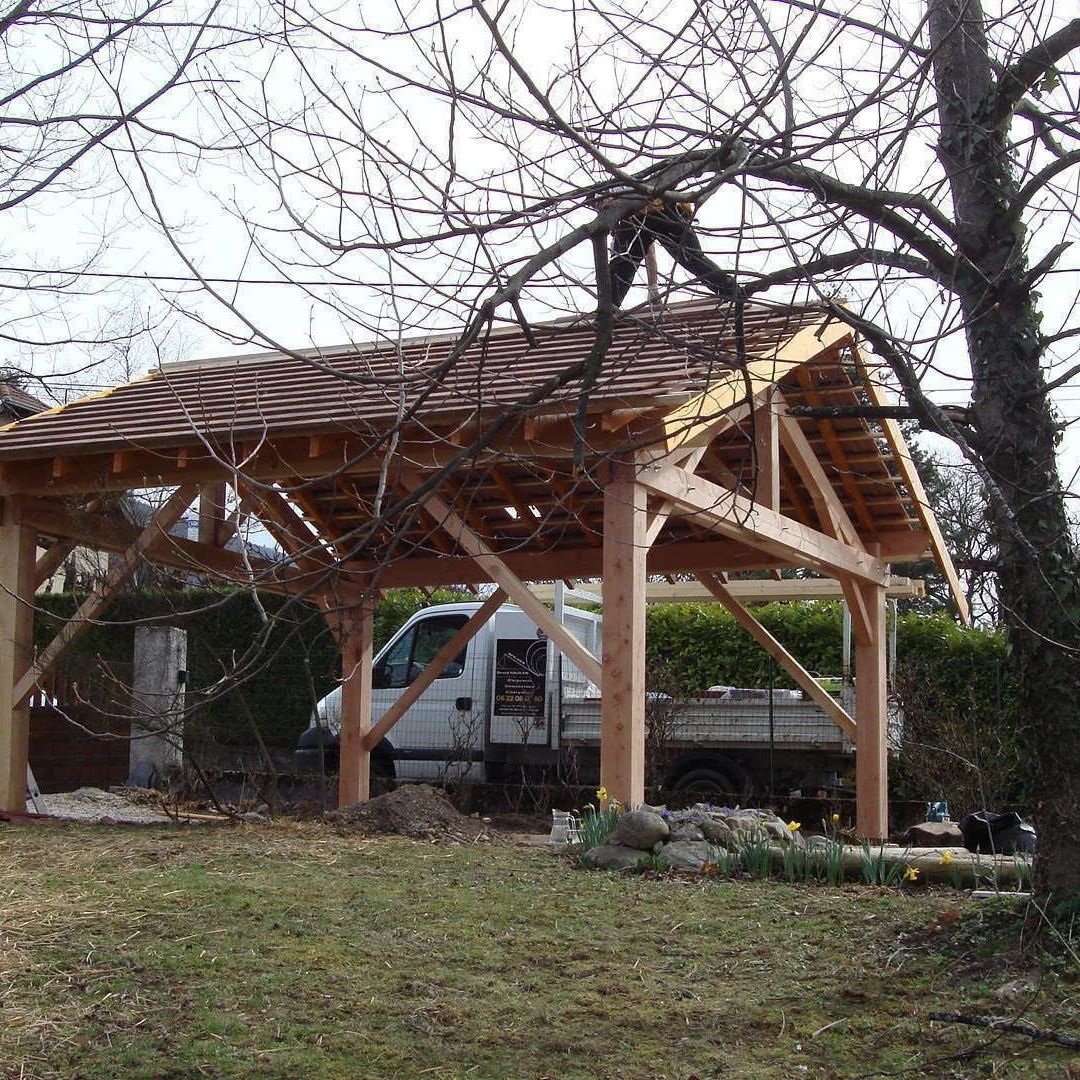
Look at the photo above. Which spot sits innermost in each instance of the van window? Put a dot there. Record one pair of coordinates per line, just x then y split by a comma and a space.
411, 653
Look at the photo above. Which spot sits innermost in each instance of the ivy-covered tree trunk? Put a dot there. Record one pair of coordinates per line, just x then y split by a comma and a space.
1014, 427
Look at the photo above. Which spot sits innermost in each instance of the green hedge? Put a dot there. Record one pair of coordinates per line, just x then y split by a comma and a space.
963, 737
279, 667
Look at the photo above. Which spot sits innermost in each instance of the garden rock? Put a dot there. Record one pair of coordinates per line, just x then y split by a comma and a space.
689, 854
687, 832
639, 829
935, 834
717, 831
613, 857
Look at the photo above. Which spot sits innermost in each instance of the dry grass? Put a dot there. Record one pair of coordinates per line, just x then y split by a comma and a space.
292, 951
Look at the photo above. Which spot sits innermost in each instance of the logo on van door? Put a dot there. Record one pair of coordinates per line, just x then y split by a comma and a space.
520, 677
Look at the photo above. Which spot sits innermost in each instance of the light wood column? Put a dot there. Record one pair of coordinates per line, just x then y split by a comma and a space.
622, 720
871, 746
355, 629
17, 560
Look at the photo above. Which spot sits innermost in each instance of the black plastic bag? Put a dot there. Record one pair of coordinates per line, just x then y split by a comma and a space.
987, 833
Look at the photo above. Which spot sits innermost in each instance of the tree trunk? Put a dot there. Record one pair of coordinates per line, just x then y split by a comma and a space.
1016, 436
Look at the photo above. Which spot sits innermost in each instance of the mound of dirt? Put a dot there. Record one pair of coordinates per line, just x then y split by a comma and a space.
414, 810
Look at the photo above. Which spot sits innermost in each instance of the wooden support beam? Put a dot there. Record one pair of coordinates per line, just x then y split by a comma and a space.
113, 535
657, 521
518, 591
759, 527
433, 669
153, 534
871, 742
747, 591
809, 684
212, 514
767, 453
622, 691
17, 547
355, 629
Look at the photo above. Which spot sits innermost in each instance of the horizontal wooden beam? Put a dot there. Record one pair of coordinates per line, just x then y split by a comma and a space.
749, 592
758, 527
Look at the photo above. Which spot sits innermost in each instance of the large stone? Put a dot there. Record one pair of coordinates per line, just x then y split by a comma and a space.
689, 854
717, 831
612, 857
935, 834
687, 831
639, 829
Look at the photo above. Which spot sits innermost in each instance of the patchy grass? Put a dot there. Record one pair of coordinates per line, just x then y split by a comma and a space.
291, 951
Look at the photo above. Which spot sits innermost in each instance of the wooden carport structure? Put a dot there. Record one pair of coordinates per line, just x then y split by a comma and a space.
518, 460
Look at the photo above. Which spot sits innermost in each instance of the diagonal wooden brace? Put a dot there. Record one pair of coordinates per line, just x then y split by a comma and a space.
515, 588
104, 591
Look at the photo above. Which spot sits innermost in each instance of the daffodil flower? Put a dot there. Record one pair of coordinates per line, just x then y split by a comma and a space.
911, 874
947, 858
602, 794
794, 826
836, 819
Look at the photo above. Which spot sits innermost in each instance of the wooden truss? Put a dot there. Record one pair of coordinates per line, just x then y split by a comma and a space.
714, 482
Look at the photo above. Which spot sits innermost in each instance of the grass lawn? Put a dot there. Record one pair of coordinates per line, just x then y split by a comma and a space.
292, 951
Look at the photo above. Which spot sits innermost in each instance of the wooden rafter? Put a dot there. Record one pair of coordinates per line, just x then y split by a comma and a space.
154, 533
731, 399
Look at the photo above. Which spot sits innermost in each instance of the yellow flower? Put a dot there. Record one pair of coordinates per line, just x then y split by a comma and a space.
947, 858
836, 819
911, 874
602, 793
794, 826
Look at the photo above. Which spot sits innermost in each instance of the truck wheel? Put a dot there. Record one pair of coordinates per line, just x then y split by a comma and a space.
707, 783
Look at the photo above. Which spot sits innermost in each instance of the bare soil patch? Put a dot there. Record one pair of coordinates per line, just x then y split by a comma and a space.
417, 811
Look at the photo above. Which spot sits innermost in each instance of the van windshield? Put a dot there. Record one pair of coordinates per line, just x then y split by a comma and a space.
414, 650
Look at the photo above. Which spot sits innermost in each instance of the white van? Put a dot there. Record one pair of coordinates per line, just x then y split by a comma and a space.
495, 707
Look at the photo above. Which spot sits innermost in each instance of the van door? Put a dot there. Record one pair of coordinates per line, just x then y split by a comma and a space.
441, 736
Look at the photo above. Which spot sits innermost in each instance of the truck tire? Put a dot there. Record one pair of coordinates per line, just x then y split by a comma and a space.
712, 782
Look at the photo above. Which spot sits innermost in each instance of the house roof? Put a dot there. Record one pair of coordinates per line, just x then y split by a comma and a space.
16, 402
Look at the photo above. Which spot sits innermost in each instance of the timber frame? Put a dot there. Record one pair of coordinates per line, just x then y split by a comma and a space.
375, 467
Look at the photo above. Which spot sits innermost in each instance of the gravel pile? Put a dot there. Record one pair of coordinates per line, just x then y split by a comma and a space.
102, 807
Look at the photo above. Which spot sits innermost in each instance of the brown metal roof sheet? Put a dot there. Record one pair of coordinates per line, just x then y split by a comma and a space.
667, 354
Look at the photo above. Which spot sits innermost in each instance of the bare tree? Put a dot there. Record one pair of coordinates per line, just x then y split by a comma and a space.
911, 166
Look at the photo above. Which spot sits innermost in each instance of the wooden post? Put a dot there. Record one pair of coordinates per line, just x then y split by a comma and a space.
766, 454
355, 635
212, 514
871, 747
17, 559
622, 718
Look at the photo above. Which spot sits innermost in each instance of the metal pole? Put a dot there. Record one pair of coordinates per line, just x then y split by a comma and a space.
772, 726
